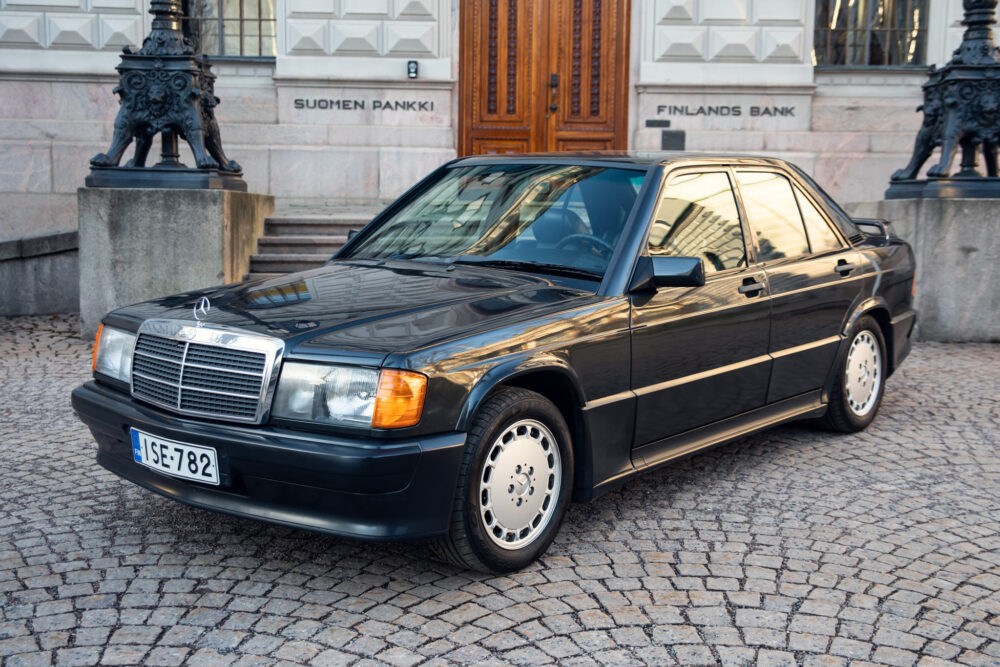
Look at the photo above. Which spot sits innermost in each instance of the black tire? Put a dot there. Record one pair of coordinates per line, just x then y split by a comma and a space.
467, 543
840, 416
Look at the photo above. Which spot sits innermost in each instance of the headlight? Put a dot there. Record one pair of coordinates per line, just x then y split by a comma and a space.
113, 353
349, 396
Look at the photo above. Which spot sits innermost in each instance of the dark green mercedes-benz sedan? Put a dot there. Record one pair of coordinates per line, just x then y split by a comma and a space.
514, 332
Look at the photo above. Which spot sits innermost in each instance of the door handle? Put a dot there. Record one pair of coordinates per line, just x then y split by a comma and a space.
843, 267
553, 85
750, 287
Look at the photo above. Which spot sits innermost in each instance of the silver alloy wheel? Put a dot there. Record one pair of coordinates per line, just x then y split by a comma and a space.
863, 373
519, 484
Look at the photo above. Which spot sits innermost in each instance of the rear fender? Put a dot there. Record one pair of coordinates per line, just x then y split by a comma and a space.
862, 309
877, 306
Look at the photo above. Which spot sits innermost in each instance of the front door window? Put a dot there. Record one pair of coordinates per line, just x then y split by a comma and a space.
698, 217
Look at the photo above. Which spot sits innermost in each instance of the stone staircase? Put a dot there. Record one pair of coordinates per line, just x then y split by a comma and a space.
300, 238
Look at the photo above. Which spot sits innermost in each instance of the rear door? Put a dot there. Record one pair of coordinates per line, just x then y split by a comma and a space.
812, 274
699, 354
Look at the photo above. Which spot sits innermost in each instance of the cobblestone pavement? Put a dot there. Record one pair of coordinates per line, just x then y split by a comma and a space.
788, 546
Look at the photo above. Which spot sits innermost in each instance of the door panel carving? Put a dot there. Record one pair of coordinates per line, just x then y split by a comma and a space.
539, 75
484, 145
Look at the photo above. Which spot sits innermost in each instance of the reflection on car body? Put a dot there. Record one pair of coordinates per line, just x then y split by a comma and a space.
513, 333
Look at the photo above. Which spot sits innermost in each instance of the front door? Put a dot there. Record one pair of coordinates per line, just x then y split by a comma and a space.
699, 354
543, 75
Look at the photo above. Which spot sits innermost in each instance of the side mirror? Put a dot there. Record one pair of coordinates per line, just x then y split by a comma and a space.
653, 272
678, 271
351, 233
874, 228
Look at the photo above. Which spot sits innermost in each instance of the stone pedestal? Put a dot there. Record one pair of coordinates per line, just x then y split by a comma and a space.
139, 244
957, 246
39, 275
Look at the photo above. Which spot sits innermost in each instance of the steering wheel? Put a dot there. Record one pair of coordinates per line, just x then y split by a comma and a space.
603, 249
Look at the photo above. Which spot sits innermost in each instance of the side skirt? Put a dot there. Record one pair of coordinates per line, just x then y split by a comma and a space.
656, 454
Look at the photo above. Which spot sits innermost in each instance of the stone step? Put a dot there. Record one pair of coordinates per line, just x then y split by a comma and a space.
298, 237
286, 262
293, 209
311, 225
299, 244
312, 218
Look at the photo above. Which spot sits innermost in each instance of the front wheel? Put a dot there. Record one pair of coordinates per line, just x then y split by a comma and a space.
857, 392
514, 484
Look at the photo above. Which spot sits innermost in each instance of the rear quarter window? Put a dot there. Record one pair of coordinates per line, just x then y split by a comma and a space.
832, 208
821, 237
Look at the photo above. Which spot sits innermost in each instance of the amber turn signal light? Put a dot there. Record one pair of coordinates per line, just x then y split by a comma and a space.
97, 343
399, 399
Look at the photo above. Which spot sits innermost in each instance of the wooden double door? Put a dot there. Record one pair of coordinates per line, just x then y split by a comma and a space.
543, 75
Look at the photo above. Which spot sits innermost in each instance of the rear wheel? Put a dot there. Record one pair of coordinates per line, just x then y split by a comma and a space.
514, 484
857, 392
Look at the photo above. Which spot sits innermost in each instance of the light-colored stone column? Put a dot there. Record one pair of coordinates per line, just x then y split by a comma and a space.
139, 244
957, 246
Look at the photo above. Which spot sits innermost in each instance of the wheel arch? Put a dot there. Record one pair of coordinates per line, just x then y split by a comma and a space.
878, 310
553, 379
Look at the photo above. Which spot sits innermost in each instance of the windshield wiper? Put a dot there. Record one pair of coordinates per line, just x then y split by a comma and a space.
532, 267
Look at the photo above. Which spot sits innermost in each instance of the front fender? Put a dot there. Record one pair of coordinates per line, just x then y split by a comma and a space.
509, 370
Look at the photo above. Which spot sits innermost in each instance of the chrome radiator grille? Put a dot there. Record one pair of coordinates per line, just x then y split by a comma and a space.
200, 379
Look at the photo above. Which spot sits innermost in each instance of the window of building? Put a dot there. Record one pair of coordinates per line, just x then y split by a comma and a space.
698, 217
231, 27
870, 33
774, 215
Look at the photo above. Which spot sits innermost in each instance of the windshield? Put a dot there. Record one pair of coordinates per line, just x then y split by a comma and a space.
539, 217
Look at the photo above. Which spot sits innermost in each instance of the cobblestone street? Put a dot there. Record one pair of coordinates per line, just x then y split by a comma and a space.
793, 546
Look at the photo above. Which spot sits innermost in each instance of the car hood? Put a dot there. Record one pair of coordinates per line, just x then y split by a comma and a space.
364, 311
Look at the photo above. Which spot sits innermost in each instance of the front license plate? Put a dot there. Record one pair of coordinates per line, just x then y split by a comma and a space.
175, 458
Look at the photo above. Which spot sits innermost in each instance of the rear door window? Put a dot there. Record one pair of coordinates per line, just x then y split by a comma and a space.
774, 215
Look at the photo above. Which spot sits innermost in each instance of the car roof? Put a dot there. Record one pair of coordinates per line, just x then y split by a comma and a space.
635, 159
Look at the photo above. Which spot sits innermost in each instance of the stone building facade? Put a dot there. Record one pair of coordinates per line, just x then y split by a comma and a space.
328, 102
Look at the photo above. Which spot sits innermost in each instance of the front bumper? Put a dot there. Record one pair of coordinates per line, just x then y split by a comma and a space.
352, 487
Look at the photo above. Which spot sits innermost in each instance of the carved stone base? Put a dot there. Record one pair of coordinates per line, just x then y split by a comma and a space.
955, 187
165, 177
